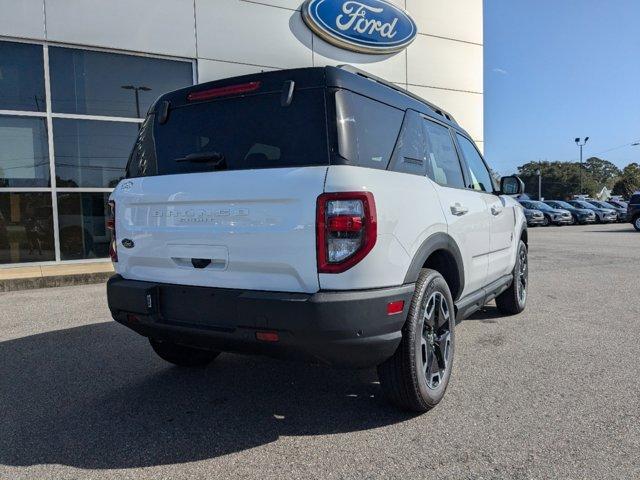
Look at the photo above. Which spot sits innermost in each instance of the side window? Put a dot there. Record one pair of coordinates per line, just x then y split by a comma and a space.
410, 154
367, 129
480, 177
443, 165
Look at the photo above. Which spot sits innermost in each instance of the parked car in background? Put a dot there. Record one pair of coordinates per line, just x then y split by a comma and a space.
633, 211
603, 215
534, 217
555, 216
580, 215
622, 212
618, 203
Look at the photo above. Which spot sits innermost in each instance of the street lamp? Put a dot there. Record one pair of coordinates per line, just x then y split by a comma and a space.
539, 174
581, 144
136, 91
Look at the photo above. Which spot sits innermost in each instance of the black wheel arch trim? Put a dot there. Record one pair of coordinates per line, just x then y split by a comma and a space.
433, 243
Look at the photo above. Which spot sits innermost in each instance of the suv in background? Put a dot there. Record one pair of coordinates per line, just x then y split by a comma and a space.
534, 217
580, 215
603, 215
317, 213
552, 216
620, 211
633, 211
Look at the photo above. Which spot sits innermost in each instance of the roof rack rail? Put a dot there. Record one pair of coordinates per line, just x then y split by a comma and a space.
374, 78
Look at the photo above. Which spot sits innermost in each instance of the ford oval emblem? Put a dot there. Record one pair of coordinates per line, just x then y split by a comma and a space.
366, 26
128, 243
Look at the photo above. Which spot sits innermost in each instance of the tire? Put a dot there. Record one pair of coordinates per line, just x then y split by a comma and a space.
514, 299
636, 223
181, 355
546, 221
415, 378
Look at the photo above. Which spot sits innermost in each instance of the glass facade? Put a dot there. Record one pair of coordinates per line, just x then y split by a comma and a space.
69, 118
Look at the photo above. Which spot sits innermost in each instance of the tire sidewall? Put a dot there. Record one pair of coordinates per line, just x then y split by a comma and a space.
636, 223
516, 275
434, 282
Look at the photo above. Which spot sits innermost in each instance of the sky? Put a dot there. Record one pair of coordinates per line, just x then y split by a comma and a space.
556, 70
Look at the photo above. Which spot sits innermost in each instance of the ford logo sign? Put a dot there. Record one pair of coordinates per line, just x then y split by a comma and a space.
365, 26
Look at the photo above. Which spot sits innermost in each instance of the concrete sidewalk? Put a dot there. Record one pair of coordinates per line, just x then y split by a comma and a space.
43, 276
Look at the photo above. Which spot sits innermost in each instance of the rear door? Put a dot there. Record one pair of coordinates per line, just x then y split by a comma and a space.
465, 210
223, 194
502, 217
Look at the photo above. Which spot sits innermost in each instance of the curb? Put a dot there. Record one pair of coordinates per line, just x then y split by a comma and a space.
49, 281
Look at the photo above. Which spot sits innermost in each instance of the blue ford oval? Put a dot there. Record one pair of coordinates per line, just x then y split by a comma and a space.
366, 26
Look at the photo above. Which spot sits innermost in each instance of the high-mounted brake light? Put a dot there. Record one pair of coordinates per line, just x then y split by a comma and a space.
346, 229
223, 91
111, 225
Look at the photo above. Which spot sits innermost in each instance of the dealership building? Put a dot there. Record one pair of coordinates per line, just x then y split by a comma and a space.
77, 76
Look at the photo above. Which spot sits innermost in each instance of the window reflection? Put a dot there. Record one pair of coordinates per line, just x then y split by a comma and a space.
110, 84
26, 227
21, 77
82, 223
24, 152
91, 153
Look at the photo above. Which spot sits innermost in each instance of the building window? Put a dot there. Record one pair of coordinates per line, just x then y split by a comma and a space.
26, 227
59, 160
21, 77
82, 222
110, 84
24, 152
91, 153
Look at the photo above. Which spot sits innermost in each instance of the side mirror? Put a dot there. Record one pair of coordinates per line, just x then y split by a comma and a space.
511, 185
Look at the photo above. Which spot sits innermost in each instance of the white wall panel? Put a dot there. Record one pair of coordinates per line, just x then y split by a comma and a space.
466, 108
209, 70
389, 67
459, 19
257, 34
158, 26
290, 4
436, 62
22, 18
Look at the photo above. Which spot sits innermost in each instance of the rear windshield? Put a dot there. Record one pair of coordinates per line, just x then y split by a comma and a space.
234, 134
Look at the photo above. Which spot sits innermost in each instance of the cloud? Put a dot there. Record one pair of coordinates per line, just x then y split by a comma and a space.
501, 71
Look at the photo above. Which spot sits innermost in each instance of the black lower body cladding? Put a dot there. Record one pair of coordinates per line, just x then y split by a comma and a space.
345, 329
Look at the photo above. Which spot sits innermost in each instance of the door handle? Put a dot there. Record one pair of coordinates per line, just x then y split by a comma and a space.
458, 209
495, 210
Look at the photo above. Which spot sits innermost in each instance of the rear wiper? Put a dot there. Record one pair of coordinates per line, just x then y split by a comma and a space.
202, 157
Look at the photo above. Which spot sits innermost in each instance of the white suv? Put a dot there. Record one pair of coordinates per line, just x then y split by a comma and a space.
318, 213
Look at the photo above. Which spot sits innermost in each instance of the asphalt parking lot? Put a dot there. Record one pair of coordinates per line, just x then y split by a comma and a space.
551, 393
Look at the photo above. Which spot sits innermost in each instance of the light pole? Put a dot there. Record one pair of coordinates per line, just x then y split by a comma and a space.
539, 173
581, 144
136, 91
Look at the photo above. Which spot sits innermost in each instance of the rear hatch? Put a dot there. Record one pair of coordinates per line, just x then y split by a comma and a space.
222, 188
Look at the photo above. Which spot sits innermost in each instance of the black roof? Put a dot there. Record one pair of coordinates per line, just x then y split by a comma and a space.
344, 76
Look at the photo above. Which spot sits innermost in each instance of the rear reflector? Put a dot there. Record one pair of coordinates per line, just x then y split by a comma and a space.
268, 336
393, 308
223, 91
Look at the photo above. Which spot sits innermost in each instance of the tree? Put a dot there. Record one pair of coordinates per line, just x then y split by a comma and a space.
629, 181
560, 180
602, 171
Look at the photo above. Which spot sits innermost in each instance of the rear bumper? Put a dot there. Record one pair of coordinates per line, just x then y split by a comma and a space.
347, 329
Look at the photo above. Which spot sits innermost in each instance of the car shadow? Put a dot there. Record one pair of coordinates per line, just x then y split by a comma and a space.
96, 397
622, 230
487, 314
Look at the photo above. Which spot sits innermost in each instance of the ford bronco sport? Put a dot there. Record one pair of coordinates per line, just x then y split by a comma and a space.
319, 213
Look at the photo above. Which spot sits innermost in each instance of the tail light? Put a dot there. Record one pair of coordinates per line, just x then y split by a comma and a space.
111, 225
346, 229
223, 91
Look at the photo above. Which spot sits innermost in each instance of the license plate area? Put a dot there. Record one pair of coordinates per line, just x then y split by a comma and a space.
198, 306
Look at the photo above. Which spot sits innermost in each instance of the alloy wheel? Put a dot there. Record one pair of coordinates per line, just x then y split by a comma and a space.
523, 275
436, 339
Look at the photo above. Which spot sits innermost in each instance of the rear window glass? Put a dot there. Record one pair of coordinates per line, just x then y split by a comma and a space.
443, 165
235, 134
367, 129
